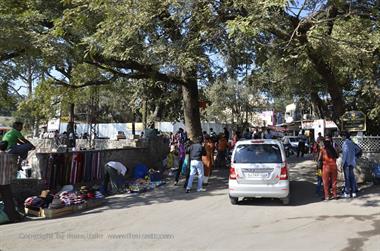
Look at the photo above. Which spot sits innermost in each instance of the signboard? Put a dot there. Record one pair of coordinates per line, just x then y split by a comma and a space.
354, 121
53, 124
307, 124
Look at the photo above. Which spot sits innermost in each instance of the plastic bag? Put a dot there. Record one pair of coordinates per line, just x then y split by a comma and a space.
184, 166
140, 171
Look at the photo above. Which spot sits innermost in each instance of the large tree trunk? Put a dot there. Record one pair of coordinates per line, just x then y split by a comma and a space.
191, 109
334, 87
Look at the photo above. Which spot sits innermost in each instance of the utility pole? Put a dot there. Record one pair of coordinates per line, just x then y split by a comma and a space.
92, 115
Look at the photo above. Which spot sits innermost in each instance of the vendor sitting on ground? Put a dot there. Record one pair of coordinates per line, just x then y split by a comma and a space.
17, 144
113, 171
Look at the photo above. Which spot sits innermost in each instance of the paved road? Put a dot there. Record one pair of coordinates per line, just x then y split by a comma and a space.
169, 219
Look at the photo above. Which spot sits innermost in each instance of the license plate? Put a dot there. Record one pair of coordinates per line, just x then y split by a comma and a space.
256, 175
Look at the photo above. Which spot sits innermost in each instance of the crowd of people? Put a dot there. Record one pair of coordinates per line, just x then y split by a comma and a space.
199, 156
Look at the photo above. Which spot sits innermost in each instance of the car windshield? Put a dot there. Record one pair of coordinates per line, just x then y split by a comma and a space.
258, 153
293, 139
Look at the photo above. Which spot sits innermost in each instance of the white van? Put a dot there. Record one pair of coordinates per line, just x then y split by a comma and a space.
259, 170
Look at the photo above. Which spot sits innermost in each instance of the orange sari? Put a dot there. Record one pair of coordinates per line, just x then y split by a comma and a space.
208, 160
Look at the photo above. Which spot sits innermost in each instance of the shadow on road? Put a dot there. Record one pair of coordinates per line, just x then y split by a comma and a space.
217, 185
301, 193
302, 187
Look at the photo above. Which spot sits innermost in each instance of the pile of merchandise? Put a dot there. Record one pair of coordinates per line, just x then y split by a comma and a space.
66, 197
151, 180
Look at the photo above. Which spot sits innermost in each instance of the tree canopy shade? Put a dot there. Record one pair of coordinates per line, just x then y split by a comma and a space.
324, 50
165, 41
313, 48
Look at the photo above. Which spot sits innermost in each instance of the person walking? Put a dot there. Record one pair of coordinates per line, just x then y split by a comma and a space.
181, 159
349, 151
196, 151
268, 134
247, 134
213, 135
226, 133
320, 138
301, 144
208, 159
221, 156
235, 139
328, 155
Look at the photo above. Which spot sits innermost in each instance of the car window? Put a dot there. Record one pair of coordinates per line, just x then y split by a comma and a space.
293, 139
258, 153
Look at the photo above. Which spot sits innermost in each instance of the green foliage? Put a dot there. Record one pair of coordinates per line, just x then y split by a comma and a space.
230, 101
140, 53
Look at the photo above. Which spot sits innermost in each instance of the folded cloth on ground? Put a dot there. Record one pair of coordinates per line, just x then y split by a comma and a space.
57, 203
34, 201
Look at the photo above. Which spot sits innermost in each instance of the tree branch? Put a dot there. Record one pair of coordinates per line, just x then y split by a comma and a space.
88, 83
9, 55
16, 91
144, 71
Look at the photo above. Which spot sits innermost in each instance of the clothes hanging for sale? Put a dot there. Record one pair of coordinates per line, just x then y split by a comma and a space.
72, 168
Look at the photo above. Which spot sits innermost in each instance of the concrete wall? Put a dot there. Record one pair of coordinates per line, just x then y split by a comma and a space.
47, 145
150, 153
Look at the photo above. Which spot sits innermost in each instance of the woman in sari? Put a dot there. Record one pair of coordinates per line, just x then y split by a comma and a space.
208, 160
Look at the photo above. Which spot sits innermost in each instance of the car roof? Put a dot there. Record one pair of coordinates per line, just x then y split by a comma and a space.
257, 141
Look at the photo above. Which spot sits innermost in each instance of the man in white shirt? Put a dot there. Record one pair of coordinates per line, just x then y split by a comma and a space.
113, 171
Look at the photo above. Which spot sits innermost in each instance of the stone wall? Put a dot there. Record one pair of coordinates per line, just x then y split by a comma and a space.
48, 145
148, 152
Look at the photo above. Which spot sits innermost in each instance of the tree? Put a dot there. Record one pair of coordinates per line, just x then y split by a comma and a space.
232, 101
164, 41
312, 48
324, 51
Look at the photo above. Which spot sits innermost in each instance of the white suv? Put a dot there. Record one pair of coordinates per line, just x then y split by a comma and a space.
259, 170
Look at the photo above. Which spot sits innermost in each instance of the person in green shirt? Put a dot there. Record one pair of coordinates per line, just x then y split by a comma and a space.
17, 144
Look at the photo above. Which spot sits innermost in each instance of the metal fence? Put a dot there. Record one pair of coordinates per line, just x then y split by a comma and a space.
369, 144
